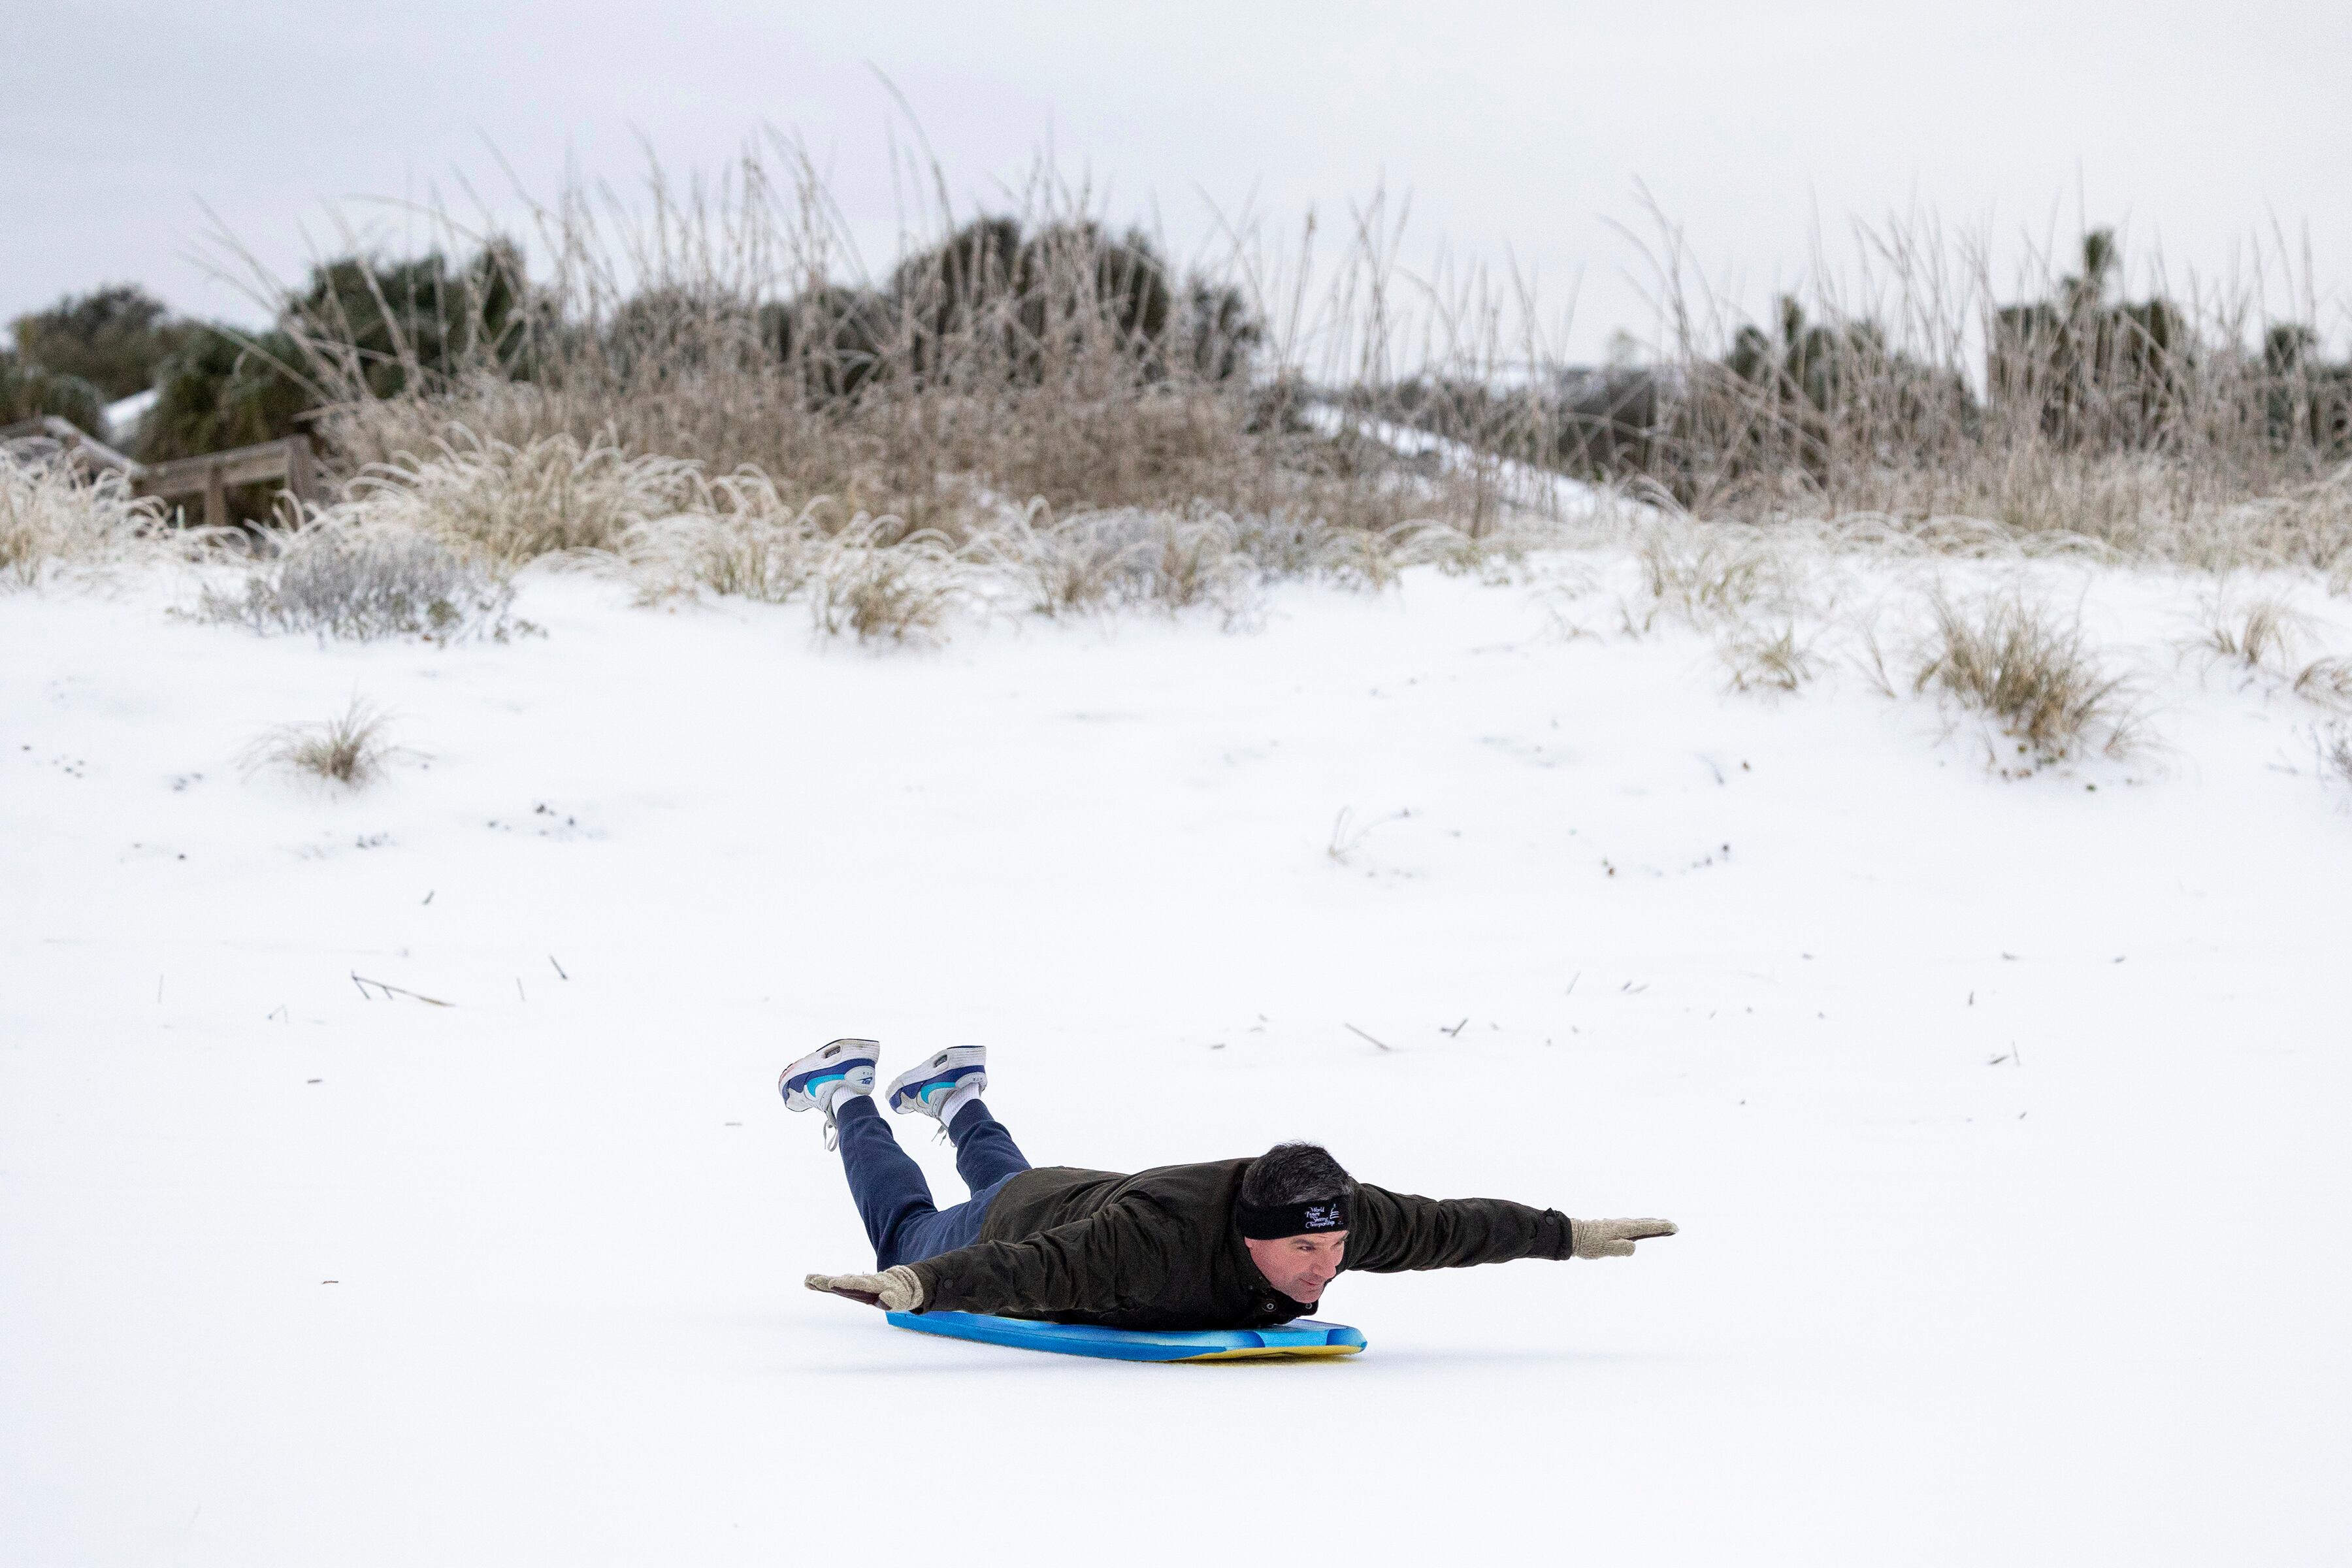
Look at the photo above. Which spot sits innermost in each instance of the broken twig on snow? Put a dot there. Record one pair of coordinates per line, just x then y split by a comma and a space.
363, 981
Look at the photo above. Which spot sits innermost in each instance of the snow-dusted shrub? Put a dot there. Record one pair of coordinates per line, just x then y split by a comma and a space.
2019, 664
52, 517
347, 578
511, 504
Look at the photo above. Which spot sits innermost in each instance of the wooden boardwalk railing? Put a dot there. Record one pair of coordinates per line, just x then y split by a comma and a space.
289, 463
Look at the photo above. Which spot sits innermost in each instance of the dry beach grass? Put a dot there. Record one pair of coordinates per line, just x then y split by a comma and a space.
51, 521
707, 394
2018, 662
348, 751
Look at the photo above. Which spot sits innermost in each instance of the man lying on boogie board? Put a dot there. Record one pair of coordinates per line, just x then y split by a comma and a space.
1232, 1244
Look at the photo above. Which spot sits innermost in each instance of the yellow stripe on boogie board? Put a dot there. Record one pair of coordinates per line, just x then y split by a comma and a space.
1270, 1353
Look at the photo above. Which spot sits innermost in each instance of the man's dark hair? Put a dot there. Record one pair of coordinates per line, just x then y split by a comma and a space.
1294, 1173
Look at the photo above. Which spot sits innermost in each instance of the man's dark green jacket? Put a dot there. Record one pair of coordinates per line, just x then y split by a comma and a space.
1161, 1249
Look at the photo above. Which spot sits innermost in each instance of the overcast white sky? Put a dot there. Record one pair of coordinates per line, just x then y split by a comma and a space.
1519, 130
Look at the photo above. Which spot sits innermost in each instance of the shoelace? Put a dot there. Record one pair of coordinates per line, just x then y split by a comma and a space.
942, 1135
833, 1132
832, 1128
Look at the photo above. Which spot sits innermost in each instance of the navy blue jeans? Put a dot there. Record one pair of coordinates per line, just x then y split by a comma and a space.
894, 1200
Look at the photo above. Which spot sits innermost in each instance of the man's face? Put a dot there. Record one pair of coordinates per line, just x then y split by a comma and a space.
1300, 1266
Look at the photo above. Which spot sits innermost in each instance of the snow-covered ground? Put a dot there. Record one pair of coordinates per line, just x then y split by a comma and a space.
2005, 1120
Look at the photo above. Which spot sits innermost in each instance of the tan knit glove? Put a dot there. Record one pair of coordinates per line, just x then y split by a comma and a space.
1614, 1238
894, 1289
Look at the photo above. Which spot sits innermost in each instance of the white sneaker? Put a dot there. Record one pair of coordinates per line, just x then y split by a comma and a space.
814, 1081
945, 1076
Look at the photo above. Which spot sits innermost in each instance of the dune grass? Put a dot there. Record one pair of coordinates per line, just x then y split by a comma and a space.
53, 519
2029, 670
704, 390
2255, 635
2327, 682
348, 751
2336, 754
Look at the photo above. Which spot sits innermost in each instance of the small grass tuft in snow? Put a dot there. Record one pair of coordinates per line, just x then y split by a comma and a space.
1069, 565
2016, 662
2326, 682
1134, 556
2262, 633
1348, 835
1092, 560
1766, 662
1717, 575
1369, 559
885, 589
349, 750
1699, 574
754, 546
1196, 558
2331, 746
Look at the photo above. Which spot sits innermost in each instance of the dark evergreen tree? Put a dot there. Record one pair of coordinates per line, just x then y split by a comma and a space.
222, 391
114, 338
29, 390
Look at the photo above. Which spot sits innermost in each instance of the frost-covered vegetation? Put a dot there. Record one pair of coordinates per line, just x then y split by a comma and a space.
52, 519
346, 576
1028, 413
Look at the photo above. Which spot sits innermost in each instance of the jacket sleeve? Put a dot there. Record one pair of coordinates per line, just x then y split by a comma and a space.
1392, 1232
1104, 1262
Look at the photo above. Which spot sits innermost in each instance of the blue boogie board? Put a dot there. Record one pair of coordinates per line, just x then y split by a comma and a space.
1300, 1337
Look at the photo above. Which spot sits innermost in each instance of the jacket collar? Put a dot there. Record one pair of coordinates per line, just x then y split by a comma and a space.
1253, 1277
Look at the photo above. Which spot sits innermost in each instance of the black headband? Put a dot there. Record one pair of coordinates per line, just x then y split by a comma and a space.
1278, 1220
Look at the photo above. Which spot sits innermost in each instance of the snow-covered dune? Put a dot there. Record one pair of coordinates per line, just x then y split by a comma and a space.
2004, 1119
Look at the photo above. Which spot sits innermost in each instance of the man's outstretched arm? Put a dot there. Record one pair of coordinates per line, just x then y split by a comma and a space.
1088, 1265
1392, 1232
1615, 1237
894, 1289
